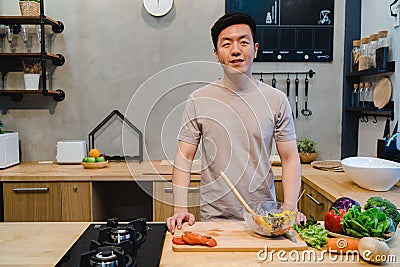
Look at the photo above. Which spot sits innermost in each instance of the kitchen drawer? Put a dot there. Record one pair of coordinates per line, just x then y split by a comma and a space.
76, 201
32, 202
279, 190
314, 203
163, 200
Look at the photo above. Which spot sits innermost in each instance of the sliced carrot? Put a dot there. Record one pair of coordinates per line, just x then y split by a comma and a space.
342, 244
177, 240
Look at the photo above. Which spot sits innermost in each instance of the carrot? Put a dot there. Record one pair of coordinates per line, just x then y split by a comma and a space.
342, 244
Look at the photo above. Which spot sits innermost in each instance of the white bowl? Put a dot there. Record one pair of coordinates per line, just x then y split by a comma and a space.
372, 173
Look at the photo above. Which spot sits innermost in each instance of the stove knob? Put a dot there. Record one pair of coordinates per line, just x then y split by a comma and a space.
279, 57
306, 57
112, 222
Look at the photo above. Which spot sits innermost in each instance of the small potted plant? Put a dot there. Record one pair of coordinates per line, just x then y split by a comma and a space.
29, 7
32, 75
307, 149
1, 126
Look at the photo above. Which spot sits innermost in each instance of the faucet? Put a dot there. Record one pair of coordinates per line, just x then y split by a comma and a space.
391, 139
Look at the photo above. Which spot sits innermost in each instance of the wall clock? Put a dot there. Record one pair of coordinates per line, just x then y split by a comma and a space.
158, 8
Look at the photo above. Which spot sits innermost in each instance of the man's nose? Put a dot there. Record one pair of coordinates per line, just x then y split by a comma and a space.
235, 49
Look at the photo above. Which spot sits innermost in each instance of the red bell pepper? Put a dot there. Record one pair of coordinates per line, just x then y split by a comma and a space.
332, 220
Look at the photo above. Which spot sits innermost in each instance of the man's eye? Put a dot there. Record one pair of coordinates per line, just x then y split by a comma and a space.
245, 42
225, 45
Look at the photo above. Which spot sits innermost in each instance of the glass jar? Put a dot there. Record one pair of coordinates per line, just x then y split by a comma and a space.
368, 95
361, 95
365, 60
373, 45
382, 51
355, 96
355, 55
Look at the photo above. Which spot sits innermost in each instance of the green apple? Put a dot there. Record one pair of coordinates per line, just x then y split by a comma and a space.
100, 159
91, 160
85, 159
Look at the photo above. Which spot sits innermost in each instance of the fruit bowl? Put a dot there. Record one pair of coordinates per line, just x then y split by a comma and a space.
94, 165
271, 219
372, 173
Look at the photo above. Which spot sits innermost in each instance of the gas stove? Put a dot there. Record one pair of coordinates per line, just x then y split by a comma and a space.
133, 244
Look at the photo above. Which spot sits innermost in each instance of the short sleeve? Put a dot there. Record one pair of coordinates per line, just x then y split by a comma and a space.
190, 131
284, 126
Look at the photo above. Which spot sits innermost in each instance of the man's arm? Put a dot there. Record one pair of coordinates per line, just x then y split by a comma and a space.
180, 182
291, 172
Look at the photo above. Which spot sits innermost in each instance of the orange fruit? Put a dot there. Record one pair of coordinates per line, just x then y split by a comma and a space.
94, 153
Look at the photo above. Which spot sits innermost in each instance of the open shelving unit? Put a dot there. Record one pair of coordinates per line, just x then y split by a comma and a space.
13, 62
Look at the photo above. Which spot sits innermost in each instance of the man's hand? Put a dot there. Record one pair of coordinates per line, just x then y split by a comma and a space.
178, 218
300, 218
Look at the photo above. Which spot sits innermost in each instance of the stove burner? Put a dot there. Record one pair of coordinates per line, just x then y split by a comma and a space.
116, 245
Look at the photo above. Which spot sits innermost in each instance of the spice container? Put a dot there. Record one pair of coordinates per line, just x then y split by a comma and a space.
355, 96
373, 45
361, 95
368, 95
365, 60
382, 51
355, 55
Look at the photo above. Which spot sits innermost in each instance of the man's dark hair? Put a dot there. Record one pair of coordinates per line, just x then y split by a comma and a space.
229, 20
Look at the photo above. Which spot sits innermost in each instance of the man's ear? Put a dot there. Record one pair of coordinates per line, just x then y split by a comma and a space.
256, 45
216, 54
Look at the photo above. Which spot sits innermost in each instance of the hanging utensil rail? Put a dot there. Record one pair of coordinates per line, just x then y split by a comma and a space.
310, 73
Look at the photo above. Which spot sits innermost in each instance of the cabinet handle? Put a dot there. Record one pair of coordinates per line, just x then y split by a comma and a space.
32, 189
190, 189
313, 199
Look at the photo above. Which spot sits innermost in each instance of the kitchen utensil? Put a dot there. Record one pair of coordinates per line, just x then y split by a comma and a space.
235, 236
296, 82
261, 78
288, 86
264, 207
328, 165
273, 80
306, 112
386, 131
382, 92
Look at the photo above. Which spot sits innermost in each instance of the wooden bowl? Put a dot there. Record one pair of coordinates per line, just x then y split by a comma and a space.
308, 157
94, 165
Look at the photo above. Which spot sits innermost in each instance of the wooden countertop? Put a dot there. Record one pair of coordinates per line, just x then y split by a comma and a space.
331, 184
37, 244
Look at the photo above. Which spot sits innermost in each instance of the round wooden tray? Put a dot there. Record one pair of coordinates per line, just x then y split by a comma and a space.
95, 165
382, 92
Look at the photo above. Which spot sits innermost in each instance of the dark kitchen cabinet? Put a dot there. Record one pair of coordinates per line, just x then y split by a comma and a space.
13, 62
351, 115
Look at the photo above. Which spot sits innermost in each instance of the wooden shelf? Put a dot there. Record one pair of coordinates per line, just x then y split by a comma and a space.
390, 68
57, 26
388, 110
17, 95
13, 61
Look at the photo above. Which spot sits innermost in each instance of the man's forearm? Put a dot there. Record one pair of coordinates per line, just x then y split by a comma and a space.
291, 181
180, 184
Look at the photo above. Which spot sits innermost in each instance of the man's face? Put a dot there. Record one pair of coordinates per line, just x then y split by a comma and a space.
236, 49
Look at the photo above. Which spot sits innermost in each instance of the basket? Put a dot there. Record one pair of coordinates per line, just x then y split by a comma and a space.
307, 157
29, 8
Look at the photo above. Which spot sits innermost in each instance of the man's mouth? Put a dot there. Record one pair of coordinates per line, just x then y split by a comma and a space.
236, 61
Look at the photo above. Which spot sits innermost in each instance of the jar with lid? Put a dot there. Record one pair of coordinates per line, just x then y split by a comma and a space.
361, 93
355, 55
382, 51
365, 60
368, 95
355, 96
373, 45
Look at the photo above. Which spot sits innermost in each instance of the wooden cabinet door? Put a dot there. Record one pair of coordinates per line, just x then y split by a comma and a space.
278, 190
163, 200
32, 202
314, 203
76, 201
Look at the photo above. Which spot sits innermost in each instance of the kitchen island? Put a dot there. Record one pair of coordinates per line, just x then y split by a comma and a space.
44, 244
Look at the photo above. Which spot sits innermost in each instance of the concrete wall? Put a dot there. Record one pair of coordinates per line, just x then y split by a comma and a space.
375, 17
112, 48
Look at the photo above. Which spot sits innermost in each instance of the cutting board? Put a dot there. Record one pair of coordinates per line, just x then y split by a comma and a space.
382, 92
236, 237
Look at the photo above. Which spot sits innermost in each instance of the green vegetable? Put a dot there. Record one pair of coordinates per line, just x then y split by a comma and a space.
385, 206
312, 233
371, 222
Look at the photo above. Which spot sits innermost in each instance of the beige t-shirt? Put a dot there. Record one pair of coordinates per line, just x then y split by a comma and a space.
237, 129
